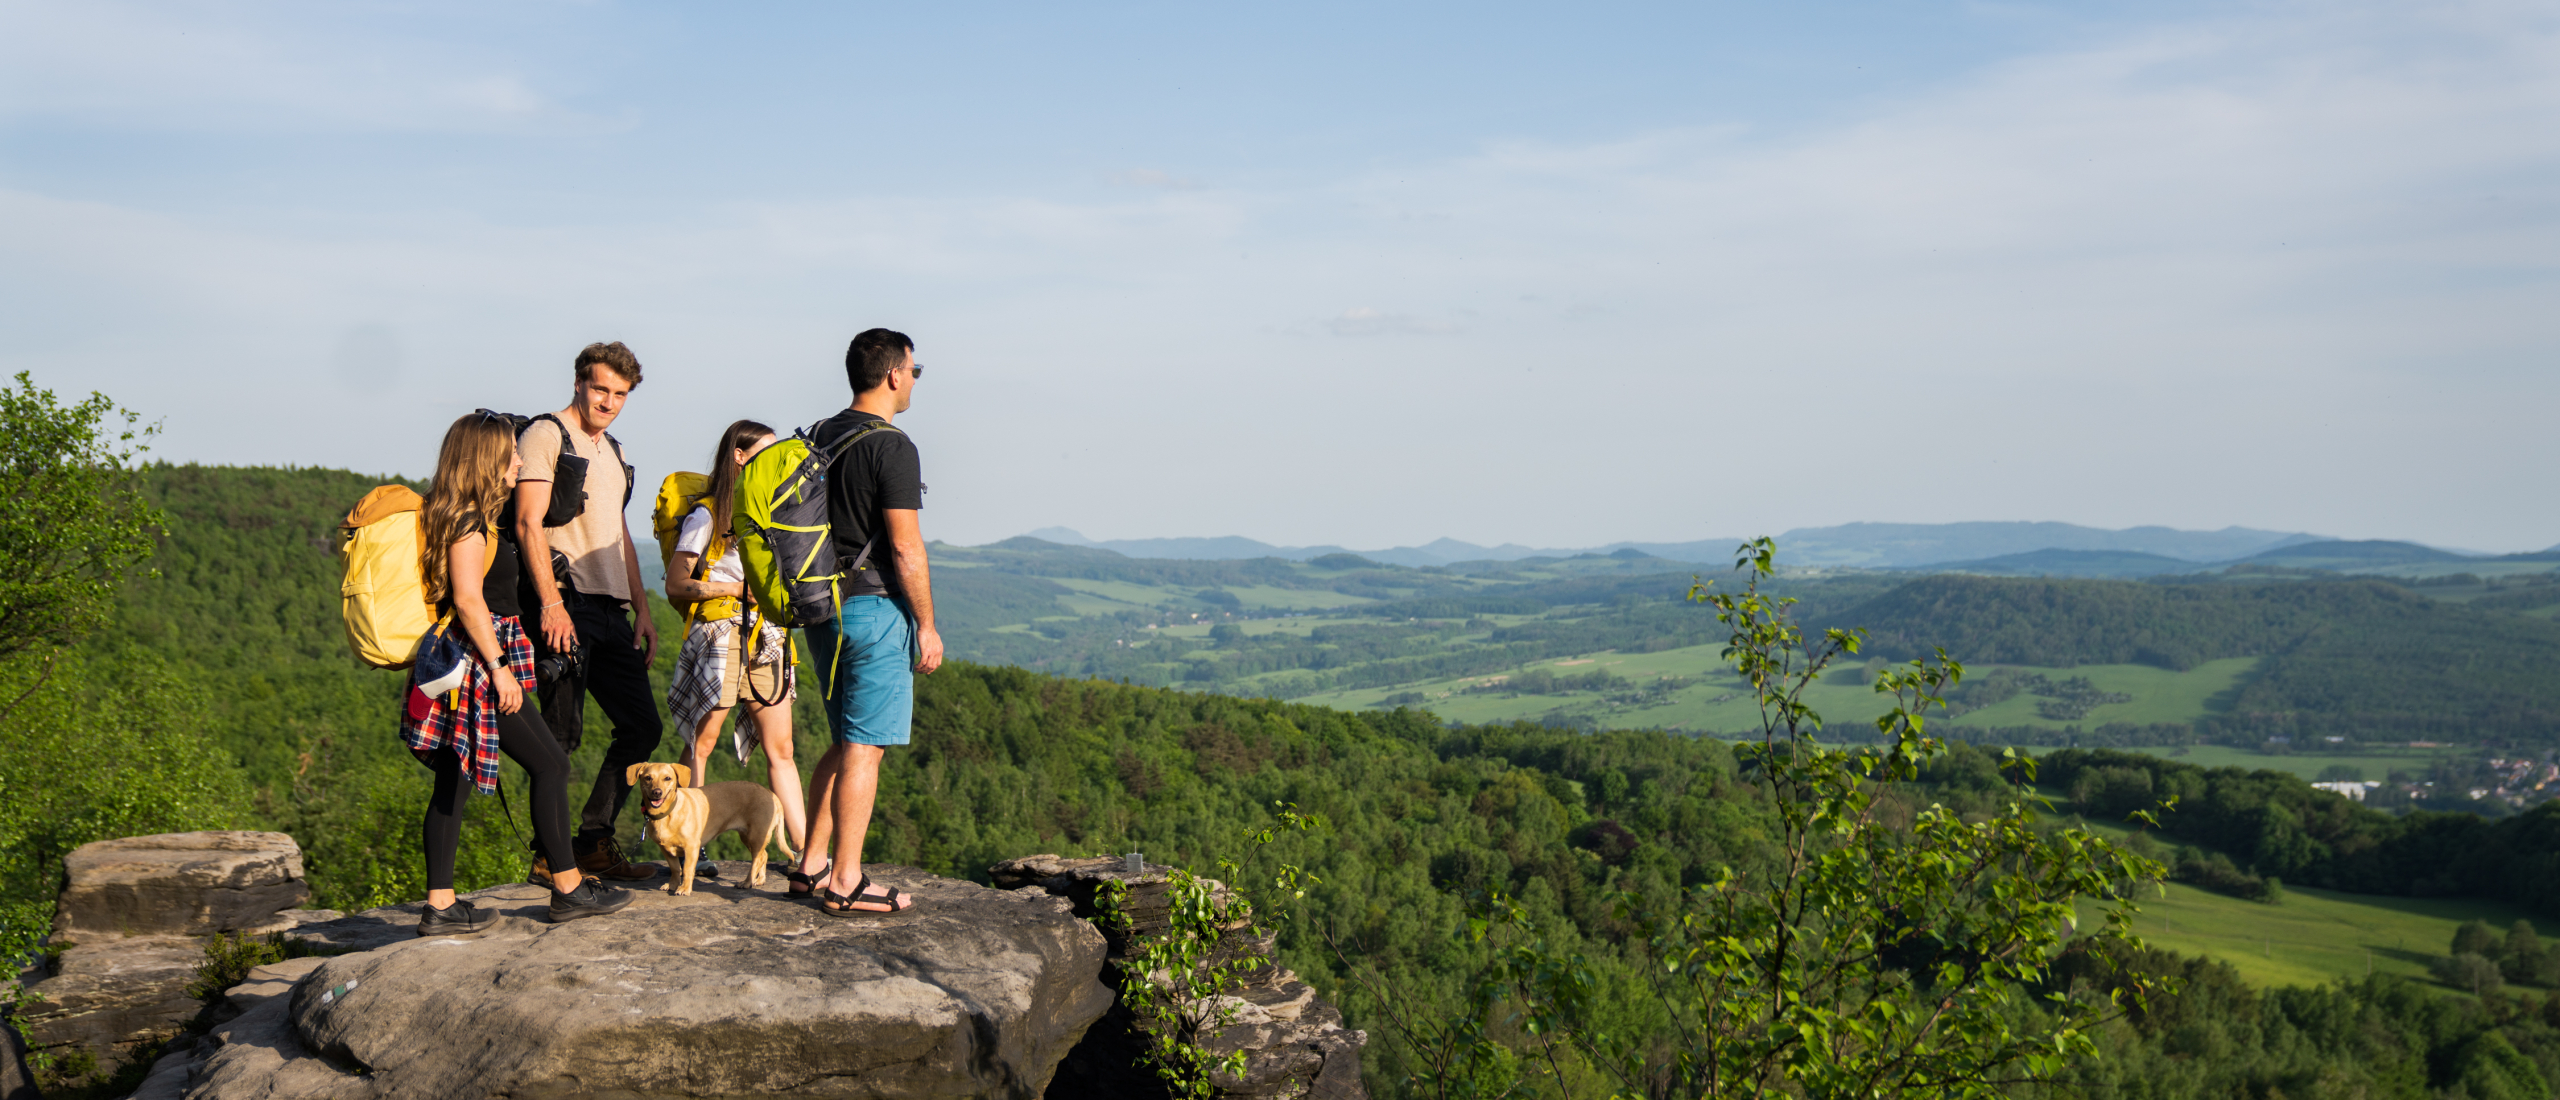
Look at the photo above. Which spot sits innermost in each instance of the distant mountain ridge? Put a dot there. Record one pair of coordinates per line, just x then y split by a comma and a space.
1867, 545
2074, 563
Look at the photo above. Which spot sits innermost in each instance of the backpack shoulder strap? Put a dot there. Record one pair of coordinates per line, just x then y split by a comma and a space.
630, 473
836, 450
845, 442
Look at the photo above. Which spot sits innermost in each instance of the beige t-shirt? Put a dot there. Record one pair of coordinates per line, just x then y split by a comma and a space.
593, 541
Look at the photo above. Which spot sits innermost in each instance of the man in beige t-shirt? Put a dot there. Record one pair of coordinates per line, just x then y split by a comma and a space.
591, 613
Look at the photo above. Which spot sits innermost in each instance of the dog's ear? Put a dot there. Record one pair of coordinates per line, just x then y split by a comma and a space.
684, 776
631, 775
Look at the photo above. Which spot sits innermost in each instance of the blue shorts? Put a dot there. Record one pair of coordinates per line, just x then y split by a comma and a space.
870, 682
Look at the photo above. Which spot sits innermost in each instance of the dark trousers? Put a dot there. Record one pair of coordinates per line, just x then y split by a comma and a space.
526, 741
616, 675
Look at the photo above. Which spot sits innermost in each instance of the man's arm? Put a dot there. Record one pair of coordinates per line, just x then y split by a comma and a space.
533, 498
906, 543
644, 617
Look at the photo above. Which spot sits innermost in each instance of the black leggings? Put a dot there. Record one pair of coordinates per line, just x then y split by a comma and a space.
529, 743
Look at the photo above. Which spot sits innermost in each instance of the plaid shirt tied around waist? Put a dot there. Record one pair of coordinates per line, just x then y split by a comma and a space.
465, 720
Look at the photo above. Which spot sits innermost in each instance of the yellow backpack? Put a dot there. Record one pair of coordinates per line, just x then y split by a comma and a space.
383, 598
678, 495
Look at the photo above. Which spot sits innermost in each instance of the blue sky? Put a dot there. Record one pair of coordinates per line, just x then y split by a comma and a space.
1346, 274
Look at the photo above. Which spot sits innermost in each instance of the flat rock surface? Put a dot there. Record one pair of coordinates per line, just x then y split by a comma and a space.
729, 992
111, 997
183, 884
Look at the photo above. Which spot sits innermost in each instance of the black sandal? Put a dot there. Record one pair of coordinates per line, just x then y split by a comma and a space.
806, 885
862, 895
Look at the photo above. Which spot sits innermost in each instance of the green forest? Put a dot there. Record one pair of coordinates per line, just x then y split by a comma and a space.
217, 691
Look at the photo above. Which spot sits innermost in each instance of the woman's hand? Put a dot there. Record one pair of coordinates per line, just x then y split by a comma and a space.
510, 696
681, 584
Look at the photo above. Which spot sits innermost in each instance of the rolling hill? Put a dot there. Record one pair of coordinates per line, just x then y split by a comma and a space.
2073, 563
2359, 658
2350, 557
1866, 545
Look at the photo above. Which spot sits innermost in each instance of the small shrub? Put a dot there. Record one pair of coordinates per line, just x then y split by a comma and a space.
229, 959
2217, 873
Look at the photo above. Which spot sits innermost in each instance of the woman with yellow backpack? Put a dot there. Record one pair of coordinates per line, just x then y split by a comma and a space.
464, 714
722, 664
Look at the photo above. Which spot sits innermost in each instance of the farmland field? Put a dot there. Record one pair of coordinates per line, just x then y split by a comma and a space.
2159, 694
2375, 765
1714, 701
2315, 936
1717, 702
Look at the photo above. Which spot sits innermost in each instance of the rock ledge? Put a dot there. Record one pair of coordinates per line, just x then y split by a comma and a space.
729, 992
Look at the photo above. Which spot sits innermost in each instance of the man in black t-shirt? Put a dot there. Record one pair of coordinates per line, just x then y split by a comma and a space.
883, 635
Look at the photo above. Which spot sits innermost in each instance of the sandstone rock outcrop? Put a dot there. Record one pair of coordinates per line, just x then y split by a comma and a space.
133, 917
729, 992
178, 884
1294, 1043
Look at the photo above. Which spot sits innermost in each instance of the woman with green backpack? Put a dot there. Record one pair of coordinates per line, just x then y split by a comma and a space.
477, 711
733, 657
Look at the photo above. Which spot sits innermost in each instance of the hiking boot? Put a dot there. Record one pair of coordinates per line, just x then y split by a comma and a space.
603, 858
540, 875
702, 868
457, 919
590, 899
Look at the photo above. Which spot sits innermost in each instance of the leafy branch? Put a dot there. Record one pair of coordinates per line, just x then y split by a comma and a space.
1872, 955
1179, 981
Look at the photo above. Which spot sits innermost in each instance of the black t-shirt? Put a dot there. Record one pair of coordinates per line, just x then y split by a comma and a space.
500, 587
880, 471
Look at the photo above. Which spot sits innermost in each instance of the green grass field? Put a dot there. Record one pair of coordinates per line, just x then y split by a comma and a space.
2376, 765
2159, 695
1263, 597
2315, 936
1718, 702
1106, 597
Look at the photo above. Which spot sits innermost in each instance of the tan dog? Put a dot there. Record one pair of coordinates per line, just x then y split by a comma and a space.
683, 818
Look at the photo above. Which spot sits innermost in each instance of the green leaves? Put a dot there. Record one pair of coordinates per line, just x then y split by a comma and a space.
73, 521
1871, 956
1177, 980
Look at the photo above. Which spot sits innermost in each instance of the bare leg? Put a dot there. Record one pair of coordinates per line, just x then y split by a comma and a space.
706, 737
857, 780
822, 820
782, 773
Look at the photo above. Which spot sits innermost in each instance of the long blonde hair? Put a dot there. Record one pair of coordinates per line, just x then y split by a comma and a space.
469, 490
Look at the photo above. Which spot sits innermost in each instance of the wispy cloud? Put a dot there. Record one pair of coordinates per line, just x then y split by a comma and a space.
1366, 321
299, 68
2289, 268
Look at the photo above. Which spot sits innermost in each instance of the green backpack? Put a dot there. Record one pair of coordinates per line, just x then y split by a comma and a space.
784, 539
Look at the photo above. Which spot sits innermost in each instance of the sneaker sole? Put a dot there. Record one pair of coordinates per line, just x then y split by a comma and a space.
599, 911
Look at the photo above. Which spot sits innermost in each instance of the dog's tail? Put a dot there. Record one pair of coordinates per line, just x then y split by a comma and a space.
779, 833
